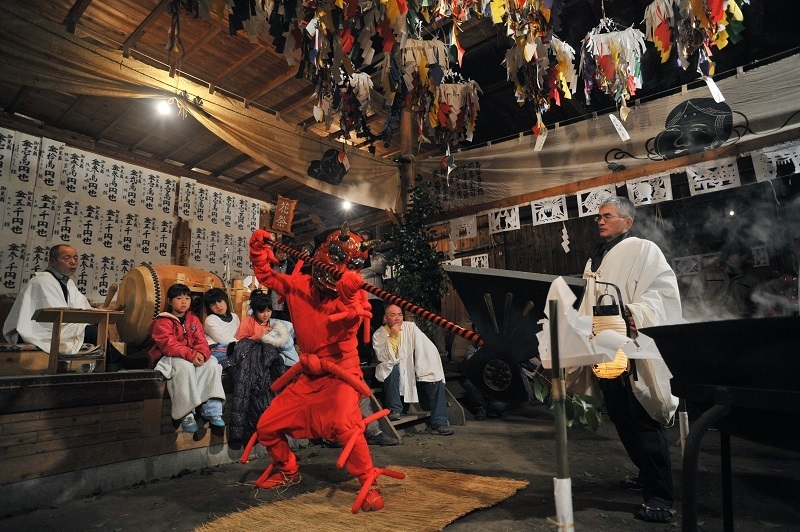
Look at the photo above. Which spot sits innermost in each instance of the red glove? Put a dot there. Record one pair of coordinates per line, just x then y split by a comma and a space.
260, 251
349, 285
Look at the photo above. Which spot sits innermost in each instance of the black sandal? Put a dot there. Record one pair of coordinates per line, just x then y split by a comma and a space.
655, 511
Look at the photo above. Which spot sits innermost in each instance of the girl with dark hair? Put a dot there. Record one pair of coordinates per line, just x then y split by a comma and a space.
180, 352
261, 326
220, 324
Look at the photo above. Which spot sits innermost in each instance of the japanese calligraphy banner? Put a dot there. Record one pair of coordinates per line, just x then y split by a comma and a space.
116, 215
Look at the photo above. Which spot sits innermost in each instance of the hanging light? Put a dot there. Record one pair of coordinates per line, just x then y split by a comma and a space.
346, 205
164, 108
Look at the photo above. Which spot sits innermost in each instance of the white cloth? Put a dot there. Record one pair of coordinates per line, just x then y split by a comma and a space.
417, 358
44, 291
649, 289
374, 274
281, 336
220, 332
190, 386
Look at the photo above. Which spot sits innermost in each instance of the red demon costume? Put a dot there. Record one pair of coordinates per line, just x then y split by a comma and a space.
323, 401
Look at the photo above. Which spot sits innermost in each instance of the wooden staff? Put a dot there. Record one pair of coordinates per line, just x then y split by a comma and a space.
449, 326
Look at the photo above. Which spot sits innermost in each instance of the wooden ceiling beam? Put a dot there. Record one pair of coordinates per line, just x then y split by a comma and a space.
240, 64
236, 161
274, 84
290, 104
192, 163
12, 104
75, 14
250, 175
72, 107
130, 42
266, 186
135, 146
122, 115
199, 44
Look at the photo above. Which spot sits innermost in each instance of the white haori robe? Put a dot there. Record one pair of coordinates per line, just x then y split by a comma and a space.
649, 289
44, 291
417, 357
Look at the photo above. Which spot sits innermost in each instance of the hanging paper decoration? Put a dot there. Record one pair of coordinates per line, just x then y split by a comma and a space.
419, 77
476, 261
689, 265
549, 210
611, 61
464, 227
651, 189
589, 200
776, 161
694, 26
504, 220
564, 238
713, 176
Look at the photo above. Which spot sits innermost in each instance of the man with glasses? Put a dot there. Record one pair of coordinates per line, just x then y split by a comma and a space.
639, 401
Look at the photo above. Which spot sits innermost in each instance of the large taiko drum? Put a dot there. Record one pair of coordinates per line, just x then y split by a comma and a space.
143, 293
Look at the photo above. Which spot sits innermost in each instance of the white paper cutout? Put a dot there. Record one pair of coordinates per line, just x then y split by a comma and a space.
760, 256
776, 161
476, 261
464, 227
564, 238
504, 220
589, 200
721, 174
547, 210
650, 189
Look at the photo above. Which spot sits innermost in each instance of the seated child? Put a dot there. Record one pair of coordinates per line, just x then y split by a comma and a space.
180, 352
262, 327
220, 324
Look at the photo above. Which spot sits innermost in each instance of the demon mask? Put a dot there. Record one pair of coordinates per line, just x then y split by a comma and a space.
342, 249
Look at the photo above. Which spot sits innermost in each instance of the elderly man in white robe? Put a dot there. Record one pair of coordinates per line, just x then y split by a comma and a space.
405, 356
639, 401
50, 288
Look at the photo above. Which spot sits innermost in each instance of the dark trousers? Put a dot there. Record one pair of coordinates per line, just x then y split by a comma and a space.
643, 438
434, 391
365, 352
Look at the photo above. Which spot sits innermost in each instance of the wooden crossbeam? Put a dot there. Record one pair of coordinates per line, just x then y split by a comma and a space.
236, 67
75, 14
130, 42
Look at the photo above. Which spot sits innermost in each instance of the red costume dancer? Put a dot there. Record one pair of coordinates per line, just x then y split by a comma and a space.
323, 401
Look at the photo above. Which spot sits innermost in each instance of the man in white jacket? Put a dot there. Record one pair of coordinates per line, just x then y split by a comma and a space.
639, 401
405, 356
50, 288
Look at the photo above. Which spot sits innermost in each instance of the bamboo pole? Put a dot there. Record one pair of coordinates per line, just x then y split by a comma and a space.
449, 326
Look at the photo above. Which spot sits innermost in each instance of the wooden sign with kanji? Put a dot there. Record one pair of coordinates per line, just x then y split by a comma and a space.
282, 218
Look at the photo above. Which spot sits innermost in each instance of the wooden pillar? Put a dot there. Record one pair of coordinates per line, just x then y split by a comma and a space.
406, 159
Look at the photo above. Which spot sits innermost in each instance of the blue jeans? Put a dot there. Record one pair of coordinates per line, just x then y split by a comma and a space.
434, 391
211, 408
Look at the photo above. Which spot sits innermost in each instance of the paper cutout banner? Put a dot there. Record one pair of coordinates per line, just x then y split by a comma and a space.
549, 210
713, 176
504, 220
651, 189
465, 227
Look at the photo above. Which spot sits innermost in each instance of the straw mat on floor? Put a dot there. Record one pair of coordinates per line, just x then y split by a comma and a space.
426, 499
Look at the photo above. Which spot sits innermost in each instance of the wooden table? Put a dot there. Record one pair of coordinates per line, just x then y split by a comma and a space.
103, 318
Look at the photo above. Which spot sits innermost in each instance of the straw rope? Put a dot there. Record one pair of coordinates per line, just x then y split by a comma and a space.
426, 500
